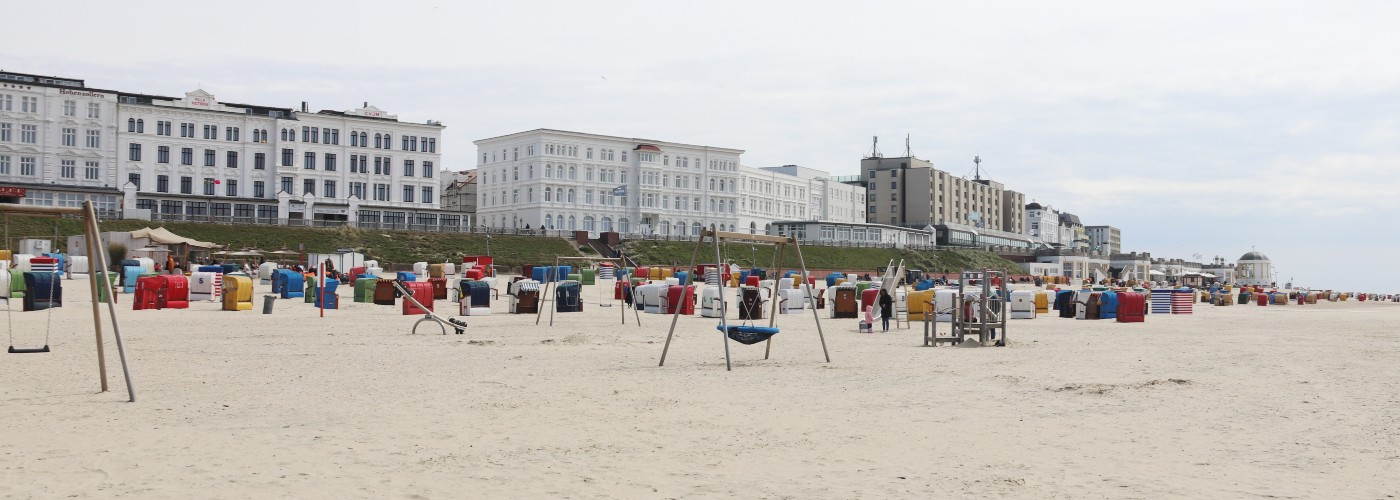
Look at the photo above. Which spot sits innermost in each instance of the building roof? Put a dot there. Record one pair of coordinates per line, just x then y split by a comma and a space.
586, 135
1254, 256
1033, 206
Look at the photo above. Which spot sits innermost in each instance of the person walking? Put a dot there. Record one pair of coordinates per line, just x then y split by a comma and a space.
886, 310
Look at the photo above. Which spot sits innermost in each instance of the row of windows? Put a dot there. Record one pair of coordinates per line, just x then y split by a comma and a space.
553, 149
68, 169
202, 208
609, 155
30, 104
328, 188
380, 193
429, 219
27, 165
359, 164
766, 207
28, 134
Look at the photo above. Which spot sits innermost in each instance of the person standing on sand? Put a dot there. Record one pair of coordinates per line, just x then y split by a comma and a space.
886, 310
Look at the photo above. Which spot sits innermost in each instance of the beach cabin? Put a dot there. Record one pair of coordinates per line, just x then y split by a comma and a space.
327, 296
1161, 301
709, 302
1108, 305
176, 292
1023, 304
651, 297
45, 291
1183, 299
844, 303
206, 286
364, 290
1042, 301
422, 292
523, 297
291, 284
750, 303
265, 272
682, 298
238, 293
568, 297
1132, 307
484, 263
475, 298
384, 292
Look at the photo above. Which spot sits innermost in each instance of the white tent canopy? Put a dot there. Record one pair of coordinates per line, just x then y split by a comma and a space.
1155, 272
162, 236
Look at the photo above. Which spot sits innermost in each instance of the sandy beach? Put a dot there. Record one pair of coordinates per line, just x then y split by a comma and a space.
1230, 402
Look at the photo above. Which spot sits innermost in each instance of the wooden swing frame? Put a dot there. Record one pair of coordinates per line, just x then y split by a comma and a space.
781, 242
97, 273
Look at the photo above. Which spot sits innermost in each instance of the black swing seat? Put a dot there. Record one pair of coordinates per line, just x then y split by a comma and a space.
748, 334
17, 350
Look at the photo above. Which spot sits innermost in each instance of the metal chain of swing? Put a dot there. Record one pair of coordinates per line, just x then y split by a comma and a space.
9, 296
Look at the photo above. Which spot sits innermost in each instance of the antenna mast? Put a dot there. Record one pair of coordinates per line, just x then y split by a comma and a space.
907, 151
977, 166
875, 147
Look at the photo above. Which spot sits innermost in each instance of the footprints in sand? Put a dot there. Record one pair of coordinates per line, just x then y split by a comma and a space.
1108, 388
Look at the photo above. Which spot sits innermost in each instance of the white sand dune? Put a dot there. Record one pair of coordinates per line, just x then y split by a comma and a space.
1242, 401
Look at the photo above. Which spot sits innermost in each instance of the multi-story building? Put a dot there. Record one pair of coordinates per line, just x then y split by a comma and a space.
58, 142
1072, 233
1043, 224
459, 191
791, 192
909, 192
1012, 217
575, 181
1105, 239
195, 158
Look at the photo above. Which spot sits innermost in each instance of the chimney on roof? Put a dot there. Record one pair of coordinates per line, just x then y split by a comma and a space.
366, 105
303, 106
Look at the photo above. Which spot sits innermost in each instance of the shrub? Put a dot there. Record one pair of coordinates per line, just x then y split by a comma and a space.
116, 252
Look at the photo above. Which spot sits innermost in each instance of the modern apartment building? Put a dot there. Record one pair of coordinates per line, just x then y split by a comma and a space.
1104, 239
576, 181
910, 192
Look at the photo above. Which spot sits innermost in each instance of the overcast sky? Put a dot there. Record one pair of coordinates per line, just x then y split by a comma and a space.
1205, 128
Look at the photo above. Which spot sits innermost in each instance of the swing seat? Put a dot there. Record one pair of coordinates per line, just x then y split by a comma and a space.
17, 350
748, 334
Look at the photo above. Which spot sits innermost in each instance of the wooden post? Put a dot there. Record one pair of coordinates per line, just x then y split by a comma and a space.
816, 318
694, 254
723, 311
90, 216
94, 249
773, 314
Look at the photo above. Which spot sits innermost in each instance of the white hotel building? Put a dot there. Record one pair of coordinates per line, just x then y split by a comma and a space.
574, 181
57, 142
195, 158
791, 192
